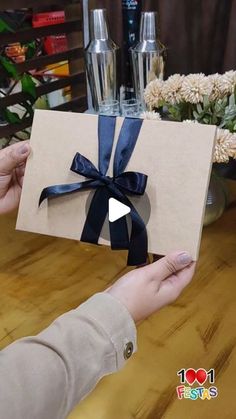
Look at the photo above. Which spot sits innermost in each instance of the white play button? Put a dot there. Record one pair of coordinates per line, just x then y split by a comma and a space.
117, 210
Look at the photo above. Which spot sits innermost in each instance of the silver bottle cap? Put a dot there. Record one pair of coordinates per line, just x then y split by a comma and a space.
148, 26
98, 24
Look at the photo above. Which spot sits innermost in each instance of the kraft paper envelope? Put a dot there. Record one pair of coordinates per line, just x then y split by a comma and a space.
176, 157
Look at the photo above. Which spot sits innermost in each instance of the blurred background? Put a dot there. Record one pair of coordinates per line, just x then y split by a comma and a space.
200, 35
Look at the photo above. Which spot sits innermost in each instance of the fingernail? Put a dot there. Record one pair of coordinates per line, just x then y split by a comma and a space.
184, 258
23, 149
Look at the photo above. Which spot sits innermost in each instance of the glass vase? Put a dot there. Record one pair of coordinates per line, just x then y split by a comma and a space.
216, 199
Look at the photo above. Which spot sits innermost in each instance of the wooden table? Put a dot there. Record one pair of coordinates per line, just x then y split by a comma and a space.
42, 277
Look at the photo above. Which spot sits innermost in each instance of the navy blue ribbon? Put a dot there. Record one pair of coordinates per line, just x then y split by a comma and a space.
122, 183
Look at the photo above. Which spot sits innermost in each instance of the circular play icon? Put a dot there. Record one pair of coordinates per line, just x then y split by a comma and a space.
117, 210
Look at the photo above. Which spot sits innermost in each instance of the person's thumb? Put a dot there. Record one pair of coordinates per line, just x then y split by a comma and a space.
169, 265
13, 156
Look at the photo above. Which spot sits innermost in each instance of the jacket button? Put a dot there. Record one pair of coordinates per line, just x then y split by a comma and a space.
129, 347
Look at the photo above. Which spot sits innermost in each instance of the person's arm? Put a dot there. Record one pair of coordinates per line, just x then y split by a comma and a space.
46, 375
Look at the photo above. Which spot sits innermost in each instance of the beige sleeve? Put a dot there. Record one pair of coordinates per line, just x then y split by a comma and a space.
47, 375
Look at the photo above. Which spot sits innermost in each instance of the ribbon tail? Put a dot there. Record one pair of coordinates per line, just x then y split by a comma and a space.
60, 190
138, 245
119, 234
96, 216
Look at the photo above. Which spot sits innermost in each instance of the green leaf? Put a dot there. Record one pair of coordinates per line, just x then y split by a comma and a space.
206, 102
196, 115
28, 85
232, 100
221, 125
9, 67
4, 27
199, 108
214, 120
230, 113
174, 112
225, 101
31, 49
11, 117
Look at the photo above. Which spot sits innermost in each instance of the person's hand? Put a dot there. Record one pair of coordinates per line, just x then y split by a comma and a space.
145, 290
12, 169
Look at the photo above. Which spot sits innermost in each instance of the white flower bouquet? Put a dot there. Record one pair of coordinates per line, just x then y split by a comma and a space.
200, 99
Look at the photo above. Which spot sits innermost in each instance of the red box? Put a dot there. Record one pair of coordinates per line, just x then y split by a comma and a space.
53, 43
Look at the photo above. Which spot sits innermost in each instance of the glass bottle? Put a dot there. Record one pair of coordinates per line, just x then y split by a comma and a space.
147, 55
101, 60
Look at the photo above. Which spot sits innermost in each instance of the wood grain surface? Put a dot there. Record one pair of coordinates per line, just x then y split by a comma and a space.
42, 277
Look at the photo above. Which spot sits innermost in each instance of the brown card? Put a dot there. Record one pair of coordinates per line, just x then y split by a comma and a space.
176, 157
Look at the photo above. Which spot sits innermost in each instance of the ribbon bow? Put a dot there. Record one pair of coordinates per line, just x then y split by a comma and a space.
118, 186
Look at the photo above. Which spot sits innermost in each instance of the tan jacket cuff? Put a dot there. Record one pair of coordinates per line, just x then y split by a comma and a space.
114, 318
